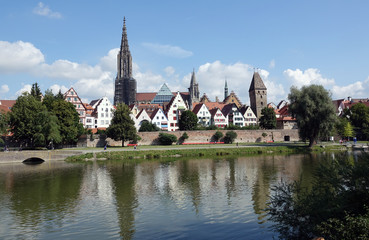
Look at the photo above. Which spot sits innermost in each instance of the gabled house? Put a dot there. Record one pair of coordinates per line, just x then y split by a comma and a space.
203, 114
218, 119
174, 110
72, 97
159, 119
103, 112
285, 119
249, 116
232, 98
233, 115
141, 116
90, 119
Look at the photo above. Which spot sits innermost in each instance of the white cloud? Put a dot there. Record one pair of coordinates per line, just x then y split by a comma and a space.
109, 62
55, 89
147, 81
19, 57
169, 71
310, 76
4, 89
25, 88
44, 10
168, 50
272, 64
356, 90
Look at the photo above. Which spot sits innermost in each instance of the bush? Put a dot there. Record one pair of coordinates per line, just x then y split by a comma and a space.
230, 137
146, 126
217, 136
167, 139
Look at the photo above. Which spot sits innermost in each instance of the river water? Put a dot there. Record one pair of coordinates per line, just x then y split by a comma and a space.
181, 199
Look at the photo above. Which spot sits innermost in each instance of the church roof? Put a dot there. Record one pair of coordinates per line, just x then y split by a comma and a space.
257, 83
164, 95
147, 96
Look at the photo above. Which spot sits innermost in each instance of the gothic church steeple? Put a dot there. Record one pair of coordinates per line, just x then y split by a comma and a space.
193, 90
225, 89
125, 84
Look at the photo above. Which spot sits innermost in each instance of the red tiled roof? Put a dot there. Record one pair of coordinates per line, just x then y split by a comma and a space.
197, 108
148, 97
6, 105
210, 105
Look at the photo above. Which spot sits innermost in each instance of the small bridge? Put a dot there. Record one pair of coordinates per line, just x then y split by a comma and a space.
47, 155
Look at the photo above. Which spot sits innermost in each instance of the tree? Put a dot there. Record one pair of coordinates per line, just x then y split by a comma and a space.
68, 120
36, 92
217, 136
335, 207
348, 131
167, 139
314, 112
4, 124
230, 137
188, 121
268, 119
122, 127
359, 117
30, 122
146, 126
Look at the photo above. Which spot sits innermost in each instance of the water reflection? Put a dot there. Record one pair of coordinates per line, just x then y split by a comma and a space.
195, 199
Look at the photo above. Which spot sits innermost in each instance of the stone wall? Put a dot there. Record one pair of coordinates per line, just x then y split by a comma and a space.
243, 136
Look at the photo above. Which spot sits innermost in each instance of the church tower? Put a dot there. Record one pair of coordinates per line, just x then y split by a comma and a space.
258, 94
125, 84
225, 89
193, 90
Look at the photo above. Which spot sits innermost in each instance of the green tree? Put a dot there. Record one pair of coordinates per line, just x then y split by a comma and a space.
68, 120
122, 127
147, 126
230, 136
348, 130
268, 119
335, 207
217, 136
36, 92
167, 139
4, 124
314, 112
188, 121
30, 122
359, 117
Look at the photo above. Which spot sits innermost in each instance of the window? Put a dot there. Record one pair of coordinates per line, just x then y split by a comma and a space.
172, 124
69, 99
102, 115
174, 118
102, 122
75, 99
162, 117
157, 117
174, 112
106, 122
106, 110
72, 92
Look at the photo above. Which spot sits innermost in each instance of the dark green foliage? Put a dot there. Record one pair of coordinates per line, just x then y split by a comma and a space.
68, 120
184, 136
251, 127
4, 122
230, 137
314, 112
211, 127
268, 119
359, 118
146, 126
335, 207
122, 127
233, 127
101, 132
31, 124
217, 136
36, 92
188, 121
167, 139
264, 134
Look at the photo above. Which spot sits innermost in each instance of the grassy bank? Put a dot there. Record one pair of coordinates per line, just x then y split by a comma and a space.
155, 153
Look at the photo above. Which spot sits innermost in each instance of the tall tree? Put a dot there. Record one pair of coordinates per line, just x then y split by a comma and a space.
359, 117
188, 121
314, 112
68, 120
4, 124
36, 91
268, 119
30, 122
122, 127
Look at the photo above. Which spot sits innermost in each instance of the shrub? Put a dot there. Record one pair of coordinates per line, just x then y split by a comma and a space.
167, 139
230, 137
217, 136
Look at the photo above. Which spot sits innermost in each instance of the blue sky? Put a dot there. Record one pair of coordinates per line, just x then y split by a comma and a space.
68, 43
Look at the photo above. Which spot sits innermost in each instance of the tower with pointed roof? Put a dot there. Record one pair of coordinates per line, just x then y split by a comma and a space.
225, 89
258, 94
193, 90
125, 84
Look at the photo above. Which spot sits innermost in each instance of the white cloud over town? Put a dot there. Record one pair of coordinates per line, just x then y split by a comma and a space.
168, 50
4, 89
43, 10
310, 76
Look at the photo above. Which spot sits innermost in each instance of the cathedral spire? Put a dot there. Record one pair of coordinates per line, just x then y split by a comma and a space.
225, 89
194, 90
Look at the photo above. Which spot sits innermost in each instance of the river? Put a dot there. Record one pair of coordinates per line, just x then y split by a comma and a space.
181, 199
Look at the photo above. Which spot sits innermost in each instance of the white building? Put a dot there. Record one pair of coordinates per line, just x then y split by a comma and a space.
103, 112
203, 114
175, 107
249, 116
233, 114
159, 119
218, 119
141, 116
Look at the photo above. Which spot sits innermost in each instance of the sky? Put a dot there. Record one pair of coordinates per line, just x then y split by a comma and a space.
63, 44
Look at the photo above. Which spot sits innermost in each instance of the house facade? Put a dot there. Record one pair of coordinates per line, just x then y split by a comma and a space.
174, 110
159, 118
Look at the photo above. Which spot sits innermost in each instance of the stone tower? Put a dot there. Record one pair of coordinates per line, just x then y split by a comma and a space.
225, 89
258, 94
193, 90
125, 84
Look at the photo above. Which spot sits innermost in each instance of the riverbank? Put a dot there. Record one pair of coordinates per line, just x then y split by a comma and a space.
162, 152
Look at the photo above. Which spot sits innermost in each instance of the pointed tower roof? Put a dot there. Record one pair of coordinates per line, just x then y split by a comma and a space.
257, 83
193, 78
124, 44
164, 95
